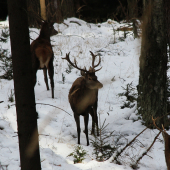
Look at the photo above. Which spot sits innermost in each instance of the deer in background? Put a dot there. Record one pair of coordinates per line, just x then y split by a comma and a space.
83, 96
167, 143
42, 54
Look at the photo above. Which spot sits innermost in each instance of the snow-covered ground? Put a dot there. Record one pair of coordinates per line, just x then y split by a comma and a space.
57, 129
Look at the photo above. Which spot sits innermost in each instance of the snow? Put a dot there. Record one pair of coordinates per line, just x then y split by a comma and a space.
57, 129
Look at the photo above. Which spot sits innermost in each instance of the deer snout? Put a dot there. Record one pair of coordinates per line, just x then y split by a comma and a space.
94, 84
100, 85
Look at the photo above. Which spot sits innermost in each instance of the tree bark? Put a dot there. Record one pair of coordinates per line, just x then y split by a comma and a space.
167, 9
152, 88
132, 8
23, 84
58, 10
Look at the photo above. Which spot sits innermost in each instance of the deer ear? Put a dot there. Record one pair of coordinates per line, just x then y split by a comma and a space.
40, 22
91, 70
82, 73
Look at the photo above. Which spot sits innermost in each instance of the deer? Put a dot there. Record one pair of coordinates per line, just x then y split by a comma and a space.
83, 96
42, 54
166, 138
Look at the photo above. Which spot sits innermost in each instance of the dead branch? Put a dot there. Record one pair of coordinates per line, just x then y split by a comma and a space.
145, 153
71, 35
65, 24
75, 22
50, 105
78, 10
128, 144
55, 107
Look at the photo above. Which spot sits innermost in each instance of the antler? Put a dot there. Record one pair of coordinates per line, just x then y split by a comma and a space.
75, 63
93, 59
163, 131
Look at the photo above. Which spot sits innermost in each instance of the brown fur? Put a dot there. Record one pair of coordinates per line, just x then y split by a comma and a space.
167, 143
83, 97
42, 55
167, 148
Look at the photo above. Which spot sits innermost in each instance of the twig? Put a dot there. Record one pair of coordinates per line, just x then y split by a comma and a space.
55, 107
80, 8
50, 105
65, 24
35, 32
71, 35
44, 135
75, 22
128, 144
148, 148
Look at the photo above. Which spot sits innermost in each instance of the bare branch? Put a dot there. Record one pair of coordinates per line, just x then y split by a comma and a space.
145, 153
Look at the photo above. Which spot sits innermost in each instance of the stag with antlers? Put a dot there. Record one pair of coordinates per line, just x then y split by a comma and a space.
83, 96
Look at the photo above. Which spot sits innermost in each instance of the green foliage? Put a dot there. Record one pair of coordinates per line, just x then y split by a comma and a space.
103, 149
63, 78
6, 64
168, 94
4, 35
70, 67
78, 154
5, 58
130, 94
11, 97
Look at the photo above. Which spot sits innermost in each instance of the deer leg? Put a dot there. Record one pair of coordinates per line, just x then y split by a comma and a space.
77, 119
96, 117
86, 120
93, 123
45, 78
51, 74
34, 76
35, 66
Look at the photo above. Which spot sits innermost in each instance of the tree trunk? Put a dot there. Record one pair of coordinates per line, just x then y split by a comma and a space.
33, 8
54, 13
132, 8
58, 10
133, 14
68, 8
152, 88
23, 84
43, 10
167, 9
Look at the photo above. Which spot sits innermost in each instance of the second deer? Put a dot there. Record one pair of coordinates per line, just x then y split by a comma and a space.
166, 138
83, 96
42, 54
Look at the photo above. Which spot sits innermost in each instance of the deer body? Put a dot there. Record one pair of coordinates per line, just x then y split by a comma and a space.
166, 138
83, 97
42, 55
167, 148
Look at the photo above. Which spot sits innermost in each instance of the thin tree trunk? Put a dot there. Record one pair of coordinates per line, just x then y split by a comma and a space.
167, 9
132, 8
152, 88
43, 10
23, 84
33, 8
